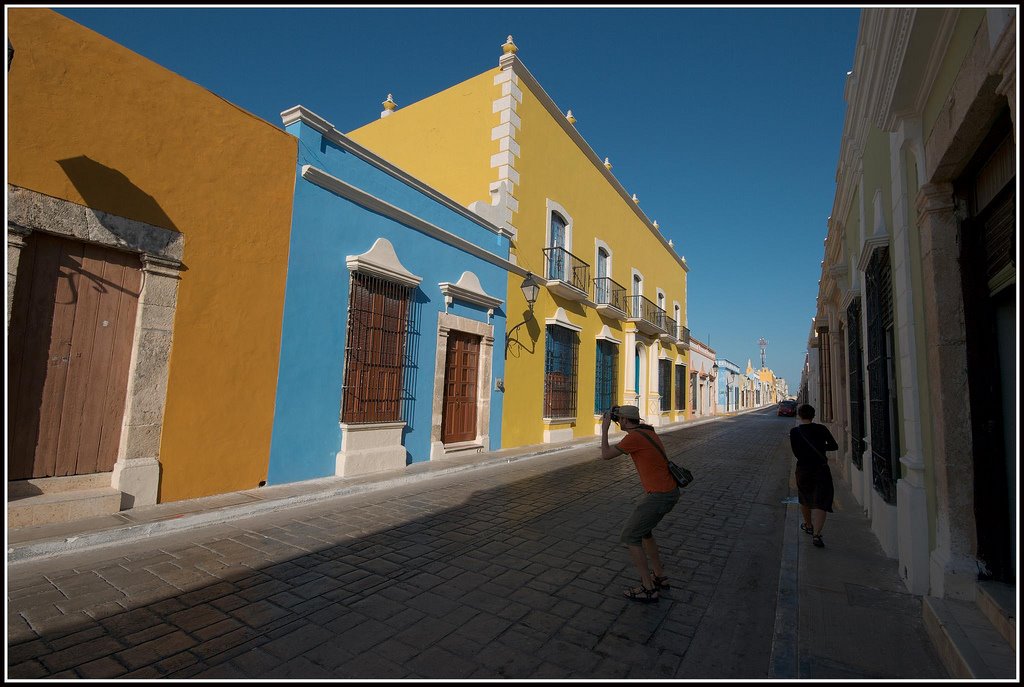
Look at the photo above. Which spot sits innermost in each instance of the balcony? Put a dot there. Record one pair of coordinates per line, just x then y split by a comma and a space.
565, 274
669, 325
610, 298
645, 315
683, 335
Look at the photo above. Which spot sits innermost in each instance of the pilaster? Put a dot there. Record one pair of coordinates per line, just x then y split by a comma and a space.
137, 470
953, 562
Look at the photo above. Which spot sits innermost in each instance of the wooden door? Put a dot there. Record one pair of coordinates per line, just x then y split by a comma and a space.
71, 333
458, 422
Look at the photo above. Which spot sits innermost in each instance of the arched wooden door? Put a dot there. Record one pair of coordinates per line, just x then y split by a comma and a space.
462, 360
71, 333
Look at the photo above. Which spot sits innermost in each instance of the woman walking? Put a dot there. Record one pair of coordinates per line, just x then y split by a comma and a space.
814, 485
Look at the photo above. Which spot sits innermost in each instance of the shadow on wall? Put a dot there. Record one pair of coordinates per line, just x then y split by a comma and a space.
412, 365
104, 189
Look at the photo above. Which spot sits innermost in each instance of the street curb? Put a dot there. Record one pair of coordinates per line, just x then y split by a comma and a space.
56, 546
39, 550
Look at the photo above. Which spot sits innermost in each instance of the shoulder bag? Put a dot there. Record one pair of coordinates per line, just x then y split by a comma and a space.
681, 475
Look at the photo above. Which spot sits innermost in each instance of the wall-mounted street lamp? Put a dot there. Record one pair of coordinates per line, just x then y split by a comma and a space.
531, 289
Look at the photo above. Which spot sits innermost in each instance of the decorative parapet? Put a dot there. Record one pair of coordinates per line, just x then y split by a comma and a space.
381, 261
468, 289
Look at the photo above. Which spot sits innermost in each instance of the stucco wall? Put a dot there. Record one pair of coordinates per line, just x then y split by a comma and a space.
93, 123
444, 140
447, 141
327, 228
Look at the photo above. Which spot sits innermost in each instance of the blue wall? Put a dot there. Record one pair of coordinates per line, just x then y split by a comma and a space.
325, 229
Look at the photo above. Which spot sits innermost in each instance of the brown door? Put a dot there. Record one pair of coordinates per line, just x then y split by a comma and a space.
458, 422
71, 330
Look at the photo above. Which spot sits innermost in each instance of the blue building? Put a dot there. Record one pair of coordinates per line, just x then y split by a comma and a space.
394, 306
729, 385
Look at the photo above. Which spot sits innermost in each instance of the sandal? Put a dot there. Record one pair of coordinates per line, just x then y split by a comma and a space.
660, 582
642, 594
818, 542
806, 528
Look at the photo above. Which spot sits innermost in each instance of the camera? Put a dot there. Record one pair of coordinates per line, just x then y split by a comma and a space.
614, 413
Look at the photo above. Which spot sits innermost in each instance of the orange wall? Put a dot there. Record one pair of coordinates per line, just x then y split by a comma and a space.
88, 119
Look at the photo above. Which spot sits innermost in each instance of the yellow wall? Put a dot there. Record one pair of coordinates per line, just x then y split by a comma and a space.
445, 140
204, 167
552, 166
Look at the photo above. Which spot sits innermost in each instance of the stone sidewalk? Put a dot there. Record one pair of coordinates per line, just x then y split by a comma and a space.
494, 567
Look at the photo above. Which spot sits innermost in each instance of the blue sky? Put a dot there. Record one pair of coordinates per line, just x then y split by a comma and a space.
725, 122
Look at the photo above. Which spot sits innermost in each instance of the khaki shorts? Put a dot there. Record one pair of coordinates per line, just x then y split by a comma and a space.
649, 512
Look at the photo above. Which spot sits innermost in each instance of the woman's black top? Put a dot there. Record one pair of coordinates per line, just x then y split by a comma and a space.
810, 442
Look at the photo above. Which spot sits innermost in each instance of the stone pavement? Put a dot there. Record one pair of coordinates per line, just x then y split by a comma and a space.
500, 565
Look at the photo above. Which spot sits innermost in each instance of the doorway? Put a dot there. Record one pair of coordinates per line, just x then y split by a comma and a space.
70, 345
462, 362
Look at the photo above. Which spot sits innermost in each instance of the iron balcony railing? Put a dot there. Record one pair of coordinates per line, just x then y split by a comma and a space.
566, 267
684, 335
645, 309
668, 324
607, 291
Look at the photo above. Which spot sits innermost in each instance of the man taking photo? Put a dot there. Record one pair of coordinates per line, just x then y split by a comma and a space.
644, 446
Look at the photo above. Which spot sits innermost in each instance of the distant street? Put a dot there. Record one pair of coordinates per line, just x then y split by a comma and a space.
501, 572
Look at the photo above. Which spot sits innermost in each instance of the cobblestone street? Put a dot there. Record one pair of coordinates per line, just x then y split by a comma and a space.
511, 571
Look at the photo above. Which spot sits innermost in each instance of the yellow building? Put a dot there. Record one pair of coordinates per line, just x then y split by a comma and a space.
608, 325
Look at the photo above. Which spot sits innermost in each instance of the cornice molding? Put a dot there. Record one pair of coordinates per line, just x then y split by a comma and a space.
562, 320
891, 52
299, 113
932, 198
871, 244
350, 192
523, 73
606, 335
849, 295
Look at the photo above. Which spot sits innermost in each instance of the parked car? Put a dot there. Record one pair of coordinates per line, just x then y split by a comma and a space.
787, 408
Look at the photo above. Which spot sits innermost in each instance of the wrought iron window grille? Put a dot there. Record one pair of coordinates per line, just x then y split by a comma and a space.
376, 386
561, 357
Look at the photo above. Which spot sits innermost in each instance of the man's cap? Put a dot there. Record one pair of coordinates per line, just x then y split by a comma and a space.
629, 412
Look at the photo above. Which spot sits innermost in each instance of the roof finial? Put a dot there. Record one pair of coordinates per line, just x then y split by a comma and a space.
389, 106
655, 224
635, 199
568, 115
607, 165
509, 47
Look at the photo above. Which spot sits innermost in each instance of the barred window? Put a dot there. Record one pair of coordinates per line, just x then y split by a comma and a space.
665, 383
375, 339
560, 359
853, 318
605, 376
680, 387
881, 376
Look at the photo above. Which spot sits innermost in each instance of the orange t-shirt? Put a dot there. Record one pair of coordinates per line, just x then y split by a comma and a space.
652, 467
